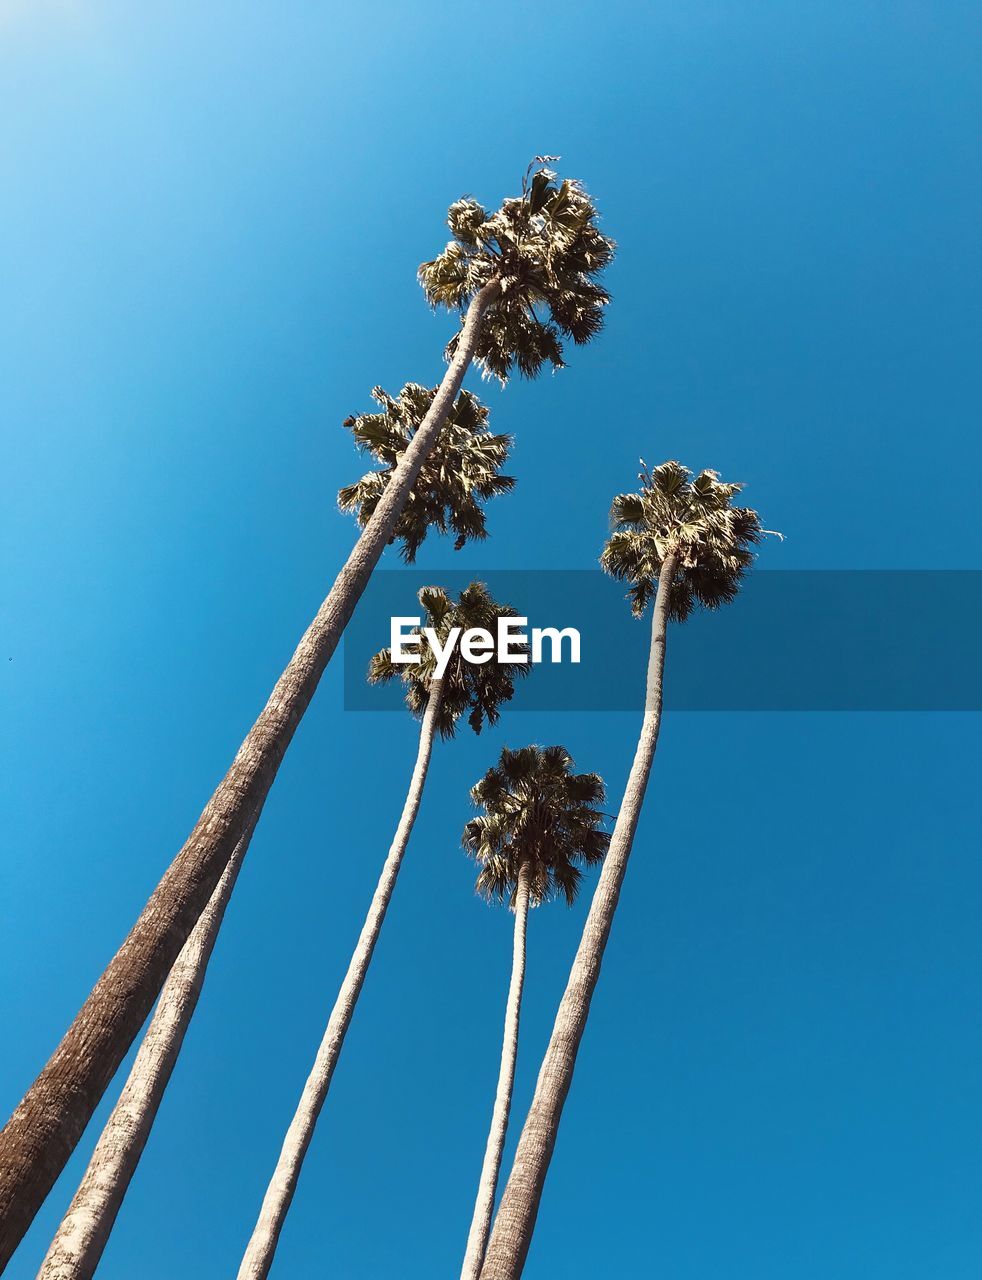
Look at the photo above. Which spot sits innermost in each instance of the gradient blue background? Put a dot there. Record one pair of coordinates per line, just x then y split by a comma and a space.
209, 225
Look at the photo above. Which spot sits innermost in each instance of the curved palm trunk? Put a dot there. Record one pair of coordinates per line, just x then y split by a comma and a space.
258, 1257
42, 1133
477, 1239
513, 1227
83, 1233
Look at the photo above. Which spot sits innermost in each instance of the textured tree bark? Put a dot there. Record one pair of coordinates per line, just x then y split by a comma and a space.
258, 1257
83, 1233
43, 1131
515, 1221
477, 1239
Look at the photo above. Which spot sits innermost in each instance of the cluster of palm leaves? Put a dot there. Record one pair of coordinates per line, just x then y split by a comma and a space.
543, 250
524, 279
539, 819
462, 470
693, 516
479, 688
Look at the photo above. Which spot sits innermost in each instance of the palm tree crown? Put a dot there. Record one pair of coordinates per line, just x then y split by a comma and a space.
545, 250
692, 517
461, 471
536, 811
481, 688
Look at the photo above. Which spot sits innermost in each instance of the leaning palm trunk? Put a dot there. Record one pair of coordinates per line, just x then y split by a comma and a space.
78, 1244
258, 1257
515, 1222
477, 1239
42, 1133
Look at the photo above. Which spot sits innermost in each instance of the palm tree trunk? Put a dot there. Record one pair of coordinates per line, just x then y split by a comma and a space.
83, 1233
477, 1239
258, 1257
513, 1227
42, 1133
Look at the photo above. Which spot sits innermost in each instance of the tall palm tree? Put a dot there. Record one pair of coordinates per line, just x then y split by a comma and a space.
540, 824
522, 279
462, 472
439, 703
682, 541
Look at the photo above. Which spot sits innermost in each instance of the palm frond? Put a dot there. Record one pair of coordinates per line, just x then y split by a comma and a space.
546, 249
540, 815
694, 518
462, 471
476, 690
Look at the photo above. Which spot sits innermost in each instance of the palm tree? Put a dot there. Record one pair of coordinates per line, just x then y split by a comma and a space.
461, 473
682, 541
439, 703
540, 824
522, 279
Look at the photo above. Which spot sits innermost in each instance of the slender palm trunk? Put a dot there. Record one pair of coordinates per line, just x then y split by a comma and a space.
477, 1239
258, 1257
515, 1222
42, 1133
83, 1233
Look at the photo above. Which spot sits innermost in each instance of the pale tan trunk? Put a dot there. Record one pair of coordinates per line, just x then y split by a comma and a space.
477, 1239
258, 1257
82, 1236
515, 1221
42, 1133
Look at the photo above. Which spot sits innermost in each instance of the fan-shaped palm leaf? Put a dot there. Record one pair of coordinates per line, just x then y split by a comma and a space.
478, 688
536, 811
694, 519
461, 471
546, 250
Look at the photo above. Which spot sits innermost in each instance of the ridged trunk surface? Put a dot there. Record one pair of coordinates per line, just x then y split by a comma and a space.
258, 1257
37, 1141
83, 1233
477, 1239
515, 1221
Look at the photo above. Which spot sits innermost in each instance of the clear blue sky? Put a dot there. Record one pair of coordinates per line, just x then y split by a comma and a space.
210, 222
